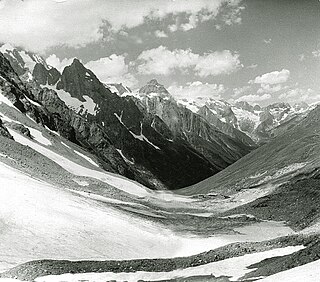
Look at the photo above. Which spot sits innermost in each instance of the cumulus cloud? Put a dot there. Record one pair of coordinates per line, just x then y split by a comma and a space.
160, 34
254, 98
57, 63
240, 91
197, 89
162, 61
316, 53
267, 88
112, 69
41, 24
300, 95
218, 63
275, 77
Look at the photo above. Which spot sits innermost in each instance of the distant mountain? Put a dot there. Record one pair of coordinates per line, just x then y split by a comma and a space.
221, 146
260, 123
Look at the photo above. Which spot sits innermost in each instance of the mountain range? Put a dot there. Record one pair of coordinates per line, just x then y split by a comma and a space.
131, 138
86, 168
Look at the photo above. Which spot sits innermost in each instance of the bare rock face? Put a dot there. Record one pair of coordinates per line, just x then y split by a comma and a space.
225, 127
154, 87
22, 129
4, 131
46, 76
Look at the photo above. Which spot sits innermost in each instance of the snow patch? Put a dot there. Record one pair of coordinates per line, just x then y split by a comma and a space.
33, 102
75, 104
86, 158
309, 272
28, 61
140, 137
124, 157
81, 182
5, 100
38, 136
64, 144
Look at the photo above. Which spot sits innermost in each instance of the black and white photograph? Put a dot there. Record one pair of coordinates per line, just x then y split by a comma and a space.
159, 140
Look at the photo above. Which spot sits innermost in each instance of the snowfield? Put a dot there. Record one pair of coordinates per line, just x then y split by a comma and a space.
75, 104
39, 221
309, 272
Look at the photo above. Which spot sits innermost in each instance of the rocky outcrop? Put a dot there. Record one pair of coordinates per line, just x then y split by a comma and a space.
4, 131
154, 87
21, 128
45, 76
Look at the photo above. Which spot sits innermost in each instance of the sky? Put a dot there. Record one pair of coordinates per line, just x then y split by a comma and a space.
237, 50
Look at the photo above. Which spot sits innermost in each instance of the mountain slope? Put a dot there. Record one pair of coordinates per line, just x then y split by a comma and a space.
219, 148
280, 180
293, 150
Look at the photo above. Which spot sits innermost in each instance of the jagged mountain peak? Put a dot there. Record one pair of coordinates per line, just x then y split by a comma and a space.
153, 82
77, 62
153, 86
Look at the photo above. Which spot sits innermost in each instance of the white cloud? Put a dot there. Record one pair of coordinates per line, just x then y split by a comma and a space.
267, 88
112, 69
300, 95
160, 34
55, 62
275, 77
162, 61
173, 27
40, 24
316, 53
218, 63
254, 98
197, 89
240, 90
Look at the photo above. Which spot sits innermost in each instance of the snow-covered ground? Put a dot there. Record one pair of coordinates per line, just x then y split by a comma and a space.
38, 221
309, 272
